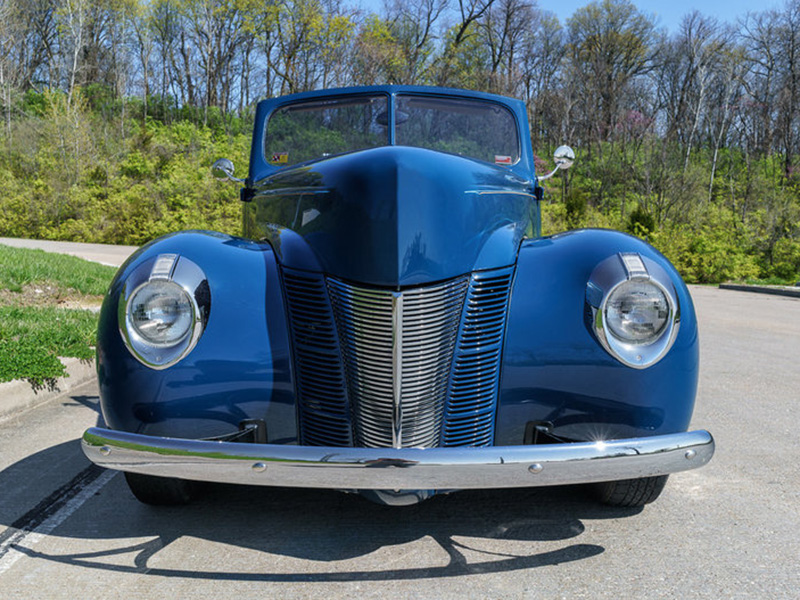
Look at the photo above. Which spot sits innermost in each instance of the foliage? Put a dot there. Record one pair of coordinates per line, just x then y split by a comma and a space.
34, 329
23, 267
112, 112
71, 175
749, 230
32, 339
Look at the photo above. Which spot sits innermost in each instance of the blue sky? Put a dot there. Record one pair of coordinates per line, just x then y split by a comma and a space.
668, 13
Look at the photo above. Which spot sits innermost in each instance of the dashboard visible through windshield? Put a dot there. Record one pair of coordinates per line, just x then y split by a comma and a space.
313, 130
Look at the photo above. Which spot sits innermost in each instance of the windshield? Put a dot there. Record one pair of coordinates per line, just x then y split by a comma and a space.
321, 128
474, 128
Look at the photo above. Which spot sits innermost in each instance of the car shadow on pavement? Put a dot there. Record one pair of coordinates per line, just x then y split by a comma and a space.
90, 402
467, 532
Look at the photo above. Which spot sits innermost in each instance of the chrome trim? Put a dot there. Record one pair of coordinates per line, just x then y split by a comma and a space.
397, 369
634, 265
474, 382
607, 277
187, 276
163, 267
294, 191
324, 408
500, 193
397, 348
398, 468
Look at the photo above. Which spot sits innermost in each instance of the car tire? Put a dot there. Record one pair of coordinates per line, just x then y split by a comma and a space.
160, 491
630, 493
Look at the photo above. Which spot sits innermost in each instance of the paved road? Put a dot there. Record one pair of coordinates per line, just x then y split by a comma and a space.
102, 253
729, 530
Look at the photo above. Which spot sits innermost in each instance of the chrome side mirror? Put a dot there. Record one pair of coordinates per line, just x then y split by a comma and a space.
223, 169
564, 156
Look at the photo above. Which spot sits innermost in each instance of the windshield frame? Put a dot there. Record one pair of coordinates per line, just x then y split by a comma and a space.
260, 168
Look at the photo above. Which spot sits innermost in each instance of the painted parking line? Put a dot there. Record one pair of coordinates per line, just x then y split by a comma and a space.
41, 520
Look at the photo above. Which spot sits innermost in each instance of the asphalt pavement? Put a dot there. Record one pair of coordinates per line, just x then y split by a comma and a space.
728, 530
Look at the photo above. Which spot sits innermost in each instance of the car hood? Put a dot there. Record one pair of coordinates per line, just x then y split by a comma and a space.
393, 216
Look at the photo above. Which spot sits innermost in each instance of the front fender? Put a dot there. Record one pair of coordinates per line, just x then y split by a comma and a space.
555, 370
240, 367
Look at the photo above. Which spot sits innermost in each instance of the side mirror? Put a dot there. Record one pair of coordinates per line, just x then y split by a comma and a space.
223, 169
564, 156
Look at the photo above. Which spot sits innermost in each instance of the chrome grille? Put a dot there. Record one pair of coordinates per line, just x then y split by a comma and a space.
359, 383
321, 390
397, 352
475, 379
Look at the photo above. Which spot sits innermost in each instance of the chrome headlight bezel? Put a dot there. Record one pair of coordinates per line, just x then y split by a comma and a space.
607, 279
161, 287
190, 283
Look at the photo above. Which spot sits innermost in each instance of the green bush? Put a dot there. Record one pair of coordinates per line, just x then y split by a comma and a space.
641, 222
786, 261
99, 170
114, 180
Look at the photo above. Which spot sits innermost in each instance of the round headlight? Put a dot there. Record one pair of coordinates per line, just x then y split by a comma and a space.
161, 313
637, 312
633, 309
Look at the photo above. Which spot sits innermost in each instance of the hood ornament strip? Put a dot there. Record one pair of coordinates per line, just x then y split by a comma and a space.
397, 369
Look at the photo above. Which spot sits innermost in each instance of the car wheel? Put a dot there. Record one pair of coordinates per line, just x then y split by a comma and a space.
160, 491
630, 492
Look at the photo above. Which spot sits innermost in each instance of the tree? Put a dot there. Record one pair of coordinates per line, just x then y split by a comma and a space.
411, 25
504, 29
163, 22
471, 11
610, 44
144, 45
541, 86
215, 30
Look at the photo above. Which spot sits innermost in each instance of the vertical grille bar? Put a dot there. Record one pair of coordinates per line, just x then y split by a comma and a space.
475, 377
397, 369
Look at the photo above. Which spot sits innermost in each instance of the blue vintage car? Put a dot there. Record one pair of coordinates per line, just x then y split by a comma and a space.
393, 323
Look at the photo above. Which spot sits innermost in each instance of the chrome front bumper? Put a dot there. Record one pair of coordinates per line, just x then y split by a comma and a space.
398, 469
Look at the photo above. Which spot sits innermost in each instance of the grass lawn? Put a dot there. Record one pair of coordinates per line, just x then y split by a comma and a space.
48, 305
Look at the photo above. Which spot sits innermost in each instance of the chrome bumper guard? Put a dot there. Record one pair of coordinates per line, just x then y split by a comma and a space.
398, 469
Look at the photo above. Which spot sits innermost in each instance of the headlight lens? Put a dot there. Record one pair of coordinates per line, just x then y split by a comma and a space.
161, 313
637, 312
634, 310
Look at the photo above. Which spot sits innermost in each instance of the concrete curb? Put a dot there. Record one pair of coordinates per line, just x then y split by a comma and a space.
761, 289
18, 396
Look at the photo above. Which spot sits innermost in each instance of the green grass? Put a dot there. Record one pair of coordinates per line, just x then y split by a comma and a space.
21, 266
34, 330
31, 339
771, 281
